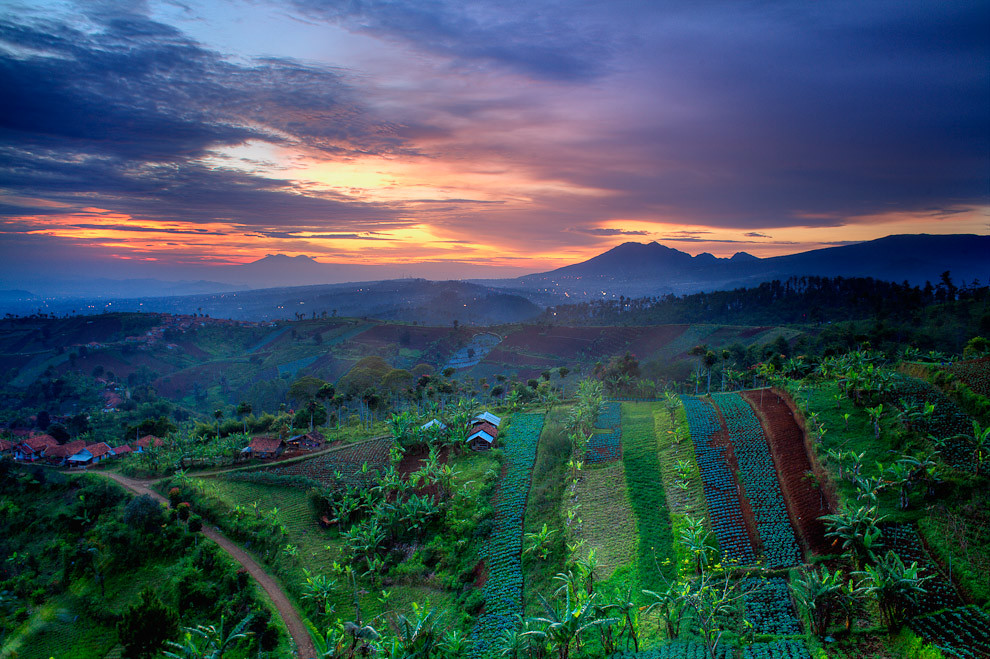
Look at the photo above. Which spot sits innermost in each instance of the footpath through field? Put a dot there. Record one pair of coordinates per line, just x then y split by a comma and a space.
297, 630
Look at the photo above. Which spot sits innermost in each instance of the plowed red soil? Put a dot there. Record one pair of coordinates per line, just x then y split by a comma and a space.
805, 500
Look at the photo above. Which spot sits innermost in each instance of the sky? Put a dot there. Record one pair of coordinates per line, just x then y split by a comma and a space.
151, 138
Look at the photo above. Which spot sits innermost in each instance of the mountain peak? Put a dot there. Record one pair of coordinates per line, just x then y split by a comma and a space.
284, 258
743, 256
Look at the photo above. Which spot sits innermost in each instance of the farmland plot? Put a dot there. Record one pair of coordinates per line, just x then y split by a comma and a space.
768, 607
903, 539
963, 632
759, 476
646, 493
804, 498
681, 649
503, 554
948, 421
718, 482
354, 465
606, 446
608, 524
975, 373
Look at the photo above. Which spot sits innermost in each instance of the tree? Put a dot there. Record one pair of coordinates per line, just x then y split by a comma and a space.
209, 641
305, 389
858, 532
242, 411
218, 414
895, 586
146, 625
823, 595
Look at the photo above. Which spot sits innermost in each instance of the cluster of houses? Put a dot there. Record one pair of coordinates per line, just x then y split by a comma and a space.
482, 430
271, 447
482, 433
46, 449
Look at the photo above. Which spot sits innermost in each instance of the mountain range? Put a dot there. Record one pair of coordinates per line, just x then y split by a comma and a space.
270, 287
638, 269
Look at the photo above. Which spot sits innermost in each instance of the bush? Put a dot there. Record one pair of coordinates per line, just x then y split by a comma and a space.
146, 625
144, 514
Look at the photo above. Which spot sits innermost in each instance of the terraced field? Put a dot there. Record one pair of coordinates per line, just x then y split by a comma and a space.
721, 489
759, 476
503, 555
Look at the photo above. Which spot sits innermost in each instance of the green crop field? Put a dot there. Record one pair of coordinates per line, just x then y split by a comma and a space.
646, 493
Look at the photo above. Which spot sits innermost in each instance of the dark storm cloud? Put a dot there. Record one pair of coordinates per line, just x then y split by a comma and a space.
733, 114
119, 116
536, 39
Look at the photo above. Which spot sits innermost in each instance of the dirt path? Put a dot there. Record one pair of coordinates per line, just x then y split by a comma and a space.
293, 622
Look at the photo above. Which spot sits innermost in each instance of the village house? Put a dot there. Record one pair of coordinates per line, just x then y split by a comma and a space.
434, 425
485, 417
264, 447
307, 442
100, 451
482, 436
57, 455
6, 447
147, 443
34, 448
80, 458
123, 449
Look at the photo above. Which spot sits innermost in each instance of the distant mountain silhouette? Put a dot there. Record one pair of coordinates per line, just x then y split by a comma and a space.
636, 269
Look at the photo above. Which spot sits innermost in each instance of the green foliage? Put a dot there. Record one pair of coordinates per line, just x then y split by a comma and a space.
146, 625
646, 494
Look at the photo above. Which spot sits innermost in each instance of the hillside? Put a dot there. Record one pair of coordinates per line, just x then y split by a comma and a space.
636, 269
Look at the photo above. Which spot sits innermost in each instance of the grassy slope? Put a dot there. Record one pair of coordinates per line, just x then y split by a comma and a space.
646, 493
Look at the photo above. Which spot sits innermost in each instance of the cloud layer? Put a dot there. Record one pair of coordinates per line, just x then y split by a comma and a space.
470, 129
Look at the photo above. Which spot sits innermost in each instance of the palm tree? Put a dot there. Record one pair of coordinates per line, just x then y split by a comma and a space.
243, 409
875, 414
218, 414
563, 625
822, 594
858, 532
209, 641
981, 444
895, 586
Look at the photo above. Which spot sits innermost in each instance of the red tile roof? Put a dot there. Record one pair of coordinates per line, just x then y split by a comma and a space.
39, 442
5, 445
65, 450
150, 441
265, 444
99, 449
122, 449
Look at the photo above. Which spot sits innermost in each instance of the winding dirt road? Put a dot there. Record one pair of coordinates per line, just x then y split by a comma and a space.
293, 622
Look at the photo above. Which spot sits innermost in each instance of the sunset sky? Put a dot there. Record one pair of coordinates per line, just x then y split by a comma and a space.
142, 138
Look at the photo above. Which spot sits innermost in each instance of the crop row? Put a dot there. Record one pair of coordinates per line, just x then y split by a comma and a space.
769, 608
646, 494
963, 632
975, 374
759, 476
604, 447
353, 465
610, 416
947, 422
777, 650
503, 553
682, 649
904, 540
718, 482
677, 649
